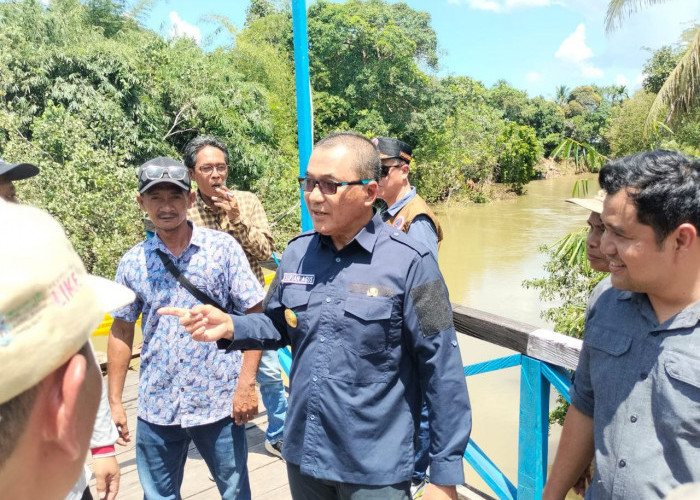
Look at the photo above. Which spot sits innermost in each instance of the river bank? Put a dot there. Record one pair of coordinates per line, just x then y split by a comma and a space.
495, 191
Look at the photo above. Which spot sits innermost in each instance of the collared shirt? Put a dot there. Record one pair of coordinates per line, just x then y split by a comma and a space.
250, 229
640, 382
371, 331
421, 229
183, 382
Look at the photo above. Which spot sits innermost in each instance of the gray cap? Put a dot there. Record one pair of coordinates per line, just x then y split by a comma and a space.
18, 171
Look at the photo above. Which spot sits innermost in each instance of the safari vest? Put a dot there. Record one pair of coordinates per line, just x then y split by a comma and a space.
415, 207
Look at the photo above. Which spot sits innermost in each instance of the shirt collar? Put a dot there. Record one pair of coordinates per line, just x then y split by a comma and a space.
366, 238
196, 240
686, 318
394, 209
199, 201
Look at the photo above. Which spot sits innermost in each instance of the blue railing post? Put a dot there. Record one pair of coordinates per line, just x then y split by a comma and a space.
533, 429
303, 85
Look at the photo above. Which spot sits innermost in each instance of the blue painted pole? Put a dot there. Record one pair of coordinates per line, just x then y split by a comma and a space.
533, 430
301, 74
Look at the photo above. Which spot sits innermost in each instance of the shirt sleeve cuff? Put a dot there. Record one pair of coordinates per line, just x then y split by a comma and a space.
447, 472
582, 403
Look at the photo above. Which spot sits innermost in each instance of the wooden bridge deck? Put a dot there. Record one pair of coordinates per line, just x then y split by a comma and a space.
268, 474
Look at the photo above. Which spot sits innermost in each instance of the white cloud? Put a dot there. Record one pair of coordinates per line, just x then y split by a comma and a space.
573, 50
179, 28
639, 79
502, 5
621, 80
533, 76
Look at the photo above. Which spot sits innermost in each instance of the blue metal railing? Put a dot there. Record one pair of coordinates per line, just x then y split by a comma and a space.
535, 378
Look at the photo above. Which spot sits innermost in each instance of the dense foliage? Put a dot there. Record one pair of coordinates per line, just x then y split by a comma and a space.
88, 94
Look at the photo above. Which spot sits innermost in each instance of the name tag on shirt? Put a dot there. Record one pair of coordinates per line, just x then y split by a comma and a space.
298, 279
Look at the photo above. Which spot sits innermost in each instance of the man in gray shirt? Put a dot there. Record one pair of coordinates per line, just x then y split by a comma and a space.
636, 393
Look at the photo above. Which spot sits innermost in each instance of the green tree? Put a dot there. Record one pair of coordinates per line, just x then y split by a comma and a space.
382, 48
659, 66
679, 94
627, 130
509, 100
520, 153
87, 94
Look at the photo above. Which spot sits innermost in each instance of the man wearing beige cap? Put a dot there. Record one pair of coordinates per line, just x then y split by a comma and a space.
49, 380
597, 260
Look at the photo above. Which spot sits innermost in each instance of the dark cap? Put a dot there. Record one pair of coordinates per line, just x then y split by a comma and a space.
392, 148
18, 171
160, 170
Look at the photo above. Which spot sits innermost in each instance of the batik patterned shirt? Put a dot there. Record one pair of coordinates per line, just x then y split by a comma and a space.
250, 229
183, 382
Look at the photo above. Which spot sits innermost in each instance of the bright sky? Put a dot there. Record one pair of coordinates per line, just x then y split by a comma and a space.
535, 45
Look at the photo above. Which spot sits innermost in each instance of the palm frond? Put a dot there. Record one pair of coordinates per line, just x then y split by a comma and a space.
680, 92
580, 189
572, 248
140, 9
619, 9
582, 154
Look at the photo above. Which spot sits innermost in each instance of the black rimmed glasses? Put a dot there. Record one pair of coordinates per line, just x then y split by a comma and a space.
327, 187
221, 169
154, 172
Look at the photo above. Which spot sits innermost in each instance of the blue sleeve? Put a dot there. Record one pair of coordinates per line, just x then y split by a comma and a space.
423, 230
430, 332
266, 330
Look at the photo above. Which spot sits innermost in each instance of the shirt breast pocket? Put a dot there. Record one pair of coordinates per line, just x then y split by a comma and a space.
606, 366
677, 396
364, 340
296, 303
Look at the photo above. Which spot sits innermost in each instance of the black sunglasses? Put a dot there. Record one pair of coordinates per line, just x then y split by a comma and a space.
327, 187
385, 169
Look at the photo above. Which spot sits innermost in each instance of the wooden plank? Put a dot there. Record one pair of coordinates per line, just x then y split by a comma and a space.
544, 345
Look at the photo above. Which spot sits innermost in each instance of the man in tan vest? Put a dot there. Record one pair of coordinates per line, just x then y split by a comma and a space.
407, 210
410, 213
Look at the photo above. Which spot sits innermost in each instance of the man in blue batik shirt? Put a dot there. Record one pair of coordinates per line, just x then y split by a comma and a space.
368, 317
186, 388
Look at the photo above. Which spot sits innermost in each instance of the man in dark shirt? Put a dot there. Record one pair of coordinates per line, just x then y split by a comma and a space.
368, 317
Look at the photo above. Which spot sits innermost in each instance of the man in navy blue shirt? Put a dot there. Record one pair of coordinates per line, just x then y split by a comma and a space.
368, 317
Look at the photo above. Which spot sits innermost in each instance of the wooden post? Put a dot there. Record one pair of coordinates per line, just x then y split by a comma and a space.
533, 430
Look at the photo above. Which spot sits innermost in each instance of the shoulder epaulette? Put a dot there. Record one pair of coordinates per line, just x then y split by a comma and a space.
401, 237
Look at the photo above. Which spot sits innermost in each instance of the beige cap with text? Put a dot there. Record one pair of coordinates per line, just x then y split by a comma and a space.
49, 304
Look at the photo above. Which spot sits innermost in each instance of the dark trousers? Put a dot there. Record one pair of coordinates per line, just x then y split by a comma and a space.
86, 494
305, 487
